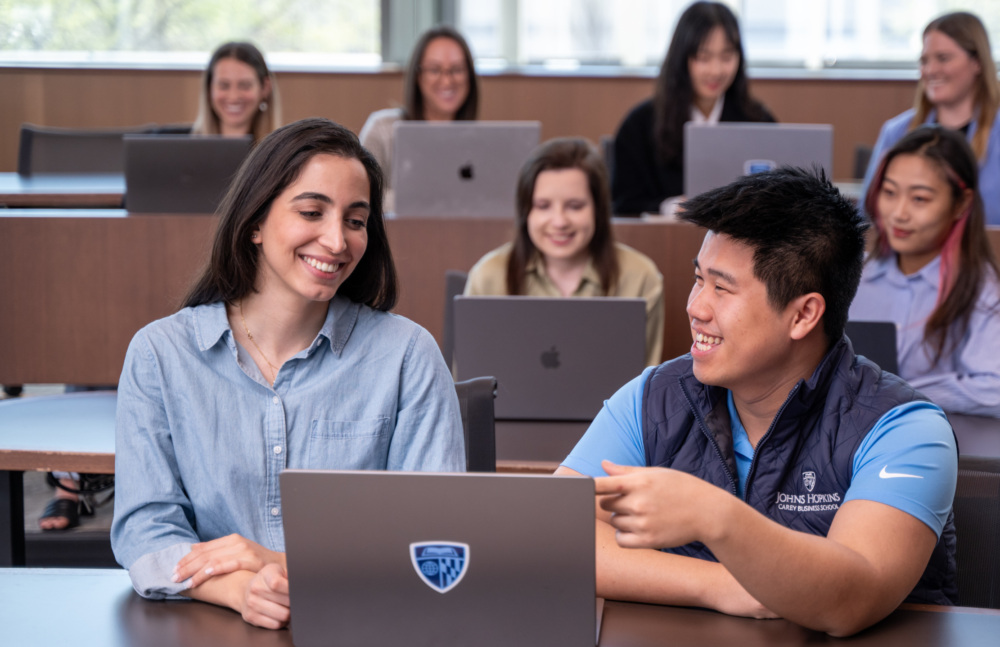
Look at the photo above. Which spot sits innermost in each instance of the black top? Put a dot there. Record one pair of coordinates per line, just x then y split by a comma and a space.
640, 179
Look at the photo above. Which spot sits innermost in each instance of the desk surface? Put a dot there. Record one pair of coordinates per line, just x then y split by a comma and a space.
106, 612
34, 434
62, 190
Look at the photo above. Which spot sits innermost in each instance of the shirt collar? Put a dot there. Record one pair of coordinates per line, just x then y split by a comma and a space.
211, 324
537, 267
712, 118
887, 268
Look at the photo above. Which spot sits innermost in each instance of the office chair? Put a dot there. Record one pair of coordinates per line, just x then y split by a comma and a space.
475, 398
69, 150
454, 285
977, 525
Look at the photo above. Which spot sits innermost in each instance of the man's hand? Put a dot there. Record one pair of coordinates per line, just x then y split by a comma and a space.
656, 507
265, 599
224, 555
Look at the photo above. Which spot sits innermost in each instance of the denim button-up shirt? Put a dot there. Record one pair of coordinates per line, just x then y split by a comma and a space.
201, 437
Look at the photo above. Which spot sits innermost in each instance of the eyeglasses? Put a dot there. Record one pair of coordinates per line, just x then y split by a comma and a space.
434, 72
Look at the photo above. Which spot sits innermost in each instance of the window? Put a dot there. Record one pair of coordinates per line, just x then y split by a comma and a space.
306, 32
801, 33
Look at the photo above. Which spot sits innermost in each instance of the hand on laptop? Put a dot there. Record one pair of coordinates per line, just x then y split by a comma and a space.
655, 507
224, 555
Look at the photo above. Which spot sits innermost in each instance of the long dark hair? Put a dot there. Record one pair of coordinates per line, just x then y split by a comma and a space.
264, 121
555, 154
968, 33
674, 94
269, 168
413, 100
966, 256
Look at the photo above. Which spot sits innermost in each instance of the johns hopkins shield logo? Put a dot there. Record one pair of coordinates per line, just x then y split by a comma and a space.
809, 479
440, 564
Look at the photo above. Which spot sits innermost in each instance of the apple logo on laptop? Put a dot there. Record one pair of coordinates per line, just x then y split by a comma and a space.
465, 171
550, 358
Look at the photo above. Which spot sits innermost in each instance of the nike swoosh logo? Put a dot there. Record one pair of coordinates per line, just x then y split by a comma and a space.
896, 475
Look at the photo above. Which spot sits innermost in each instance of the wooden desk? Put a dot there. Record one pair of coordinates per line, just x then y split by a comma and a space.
62, 190
105, 612
35, 435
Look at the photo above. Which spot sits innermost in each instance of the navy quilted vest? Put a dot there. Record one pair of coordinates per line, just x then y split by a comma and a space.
802, 466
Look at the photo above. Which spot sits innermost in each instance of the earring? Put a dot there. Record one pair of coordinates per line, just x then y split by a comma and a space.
253, 236
263, 106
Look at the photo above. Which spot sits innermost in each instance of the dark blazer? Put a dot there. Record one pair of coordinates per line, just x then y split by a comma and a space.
640, 179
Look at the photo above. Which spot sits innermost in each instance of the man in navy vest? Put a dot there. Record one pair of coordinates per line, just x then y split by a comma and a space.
776, 472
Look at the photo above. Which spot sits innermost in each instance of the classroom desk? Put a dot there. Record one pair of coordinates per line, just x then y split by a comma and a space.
62, 190
99, 608
35, 436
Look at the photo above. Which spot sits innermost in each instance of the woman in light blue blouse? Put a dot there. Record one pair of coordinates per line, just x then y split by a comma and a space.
284, 356
933, 272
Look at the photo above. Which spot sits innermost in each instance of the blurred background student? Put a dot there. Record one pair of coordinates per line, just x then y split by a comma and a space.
239, 95
703, 80
932, 271
958, 89
564, 245
441, 85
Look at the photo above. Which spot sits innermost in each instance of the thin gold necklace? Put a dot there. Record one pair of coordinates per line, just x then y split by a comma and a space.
274, 369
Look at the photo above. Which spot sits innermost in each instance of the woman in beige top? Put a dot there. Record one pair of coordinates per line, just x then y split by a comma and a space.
564, 245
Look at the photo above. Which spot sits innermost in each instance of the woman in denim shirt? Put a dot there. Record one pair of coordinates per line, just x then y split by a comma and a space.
284, 356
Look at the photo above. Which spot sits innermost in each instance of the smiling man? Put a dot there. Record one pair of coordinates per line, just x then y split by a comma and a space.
772, 471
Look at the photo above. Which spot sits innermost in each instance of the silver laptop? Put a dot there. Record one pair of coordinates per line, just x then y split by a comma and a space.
554, 359
180, 173
466, 168
716, 155
403, 558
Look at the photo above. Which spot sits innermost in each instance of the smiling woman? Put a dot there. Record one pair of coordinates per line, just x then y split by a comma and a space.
441, 85
284, 356
239, 95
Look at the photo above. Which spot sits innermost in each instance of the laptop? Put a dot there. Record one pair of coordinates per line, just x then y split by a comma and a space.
553, 358
876, 340
180, 173
716, 155
466, 168
407, 558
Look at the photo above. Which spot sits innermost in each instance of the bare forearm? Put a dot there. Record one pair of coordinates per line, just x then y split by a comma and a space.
652, 576
811, 580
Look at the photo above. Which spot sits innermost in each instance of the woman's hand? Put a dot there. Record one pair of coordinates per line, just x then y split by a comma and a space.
224, 555
265, 599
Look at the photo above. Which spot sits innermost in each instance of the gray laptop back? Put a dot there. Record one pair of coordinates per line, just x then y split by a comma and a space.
180, 173
716, 155
876, 340
466, 168
554, 359
394, 558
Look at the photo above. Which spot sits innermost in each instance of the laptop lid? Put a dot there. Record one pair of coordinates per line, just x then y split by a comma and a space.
876, 340
554, 358
466, 168
180, 173
397, 558
716, 155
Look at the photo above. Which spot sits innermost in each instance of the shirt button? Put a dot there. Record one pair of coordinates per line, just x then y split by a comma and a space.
275, 512
274, 399
277, 449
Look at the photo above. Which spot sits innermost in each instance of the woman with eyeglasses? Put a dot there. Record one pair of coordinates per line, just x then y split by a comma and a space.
958, 89
441, 85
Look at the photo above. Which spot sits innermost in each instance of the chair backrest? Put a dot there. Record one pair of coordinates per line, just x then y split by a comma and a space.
475, 398
454, 285
977, 525
69, 150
